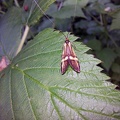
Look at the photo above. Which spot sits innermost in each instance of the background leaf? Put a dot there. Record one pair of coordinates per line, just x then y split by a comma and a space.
10, 32
33, 87
68, 11
81, 3
34, 11
94, 44
115, 23
104, 55
116, 68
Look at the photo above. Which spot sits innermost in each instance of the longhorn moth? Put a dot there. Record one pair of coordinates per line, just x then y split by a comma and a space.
69, 58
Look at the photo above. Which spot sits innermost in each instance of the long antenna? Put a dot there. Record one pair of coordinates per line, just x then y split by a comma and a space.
66, 37
42, 11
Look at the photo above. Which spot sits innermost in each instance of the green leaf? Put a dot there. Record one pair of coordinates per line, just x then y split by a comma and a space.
68, 11
94, 44
107, 55
116, 68
115, 78
116, 20
83, 24
35, 12
81, 3
93, 28
63, 24
10, 32
117, 51
33, 87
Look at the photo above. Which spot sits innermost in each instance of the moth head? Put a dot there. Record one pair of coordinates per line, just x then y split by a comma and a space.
67, 41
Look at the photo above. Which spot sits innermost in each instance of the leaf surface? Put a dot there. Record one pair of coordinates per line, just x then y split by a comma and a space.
115, 23
32, 87
68, 11
81, 3
37, 9
107, 55
10, 32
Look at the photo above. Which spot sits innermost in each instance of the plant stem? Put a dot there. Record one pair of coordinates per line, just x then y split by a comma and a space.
23, 38
16, 3
104, 22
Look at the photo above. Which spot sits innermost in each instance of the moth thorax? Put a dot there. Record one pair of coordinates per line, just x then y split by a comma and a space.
67, 41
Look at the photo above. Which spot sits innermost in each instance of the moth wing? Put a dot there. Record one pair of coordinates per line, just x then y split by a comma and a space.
74, 63
69, 58
64, 66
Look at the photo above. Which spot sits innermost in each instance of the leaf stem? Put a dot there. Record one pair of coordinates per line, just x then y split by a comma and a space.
104, 23
23, 38
16, 3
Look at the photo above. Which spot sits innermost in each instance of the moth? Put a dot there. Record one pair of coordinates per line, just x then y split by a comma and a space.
69, 58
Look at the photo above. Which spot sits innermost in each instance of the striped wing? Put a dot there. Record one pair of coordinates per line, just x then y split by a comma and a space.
69, 58
64, 65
